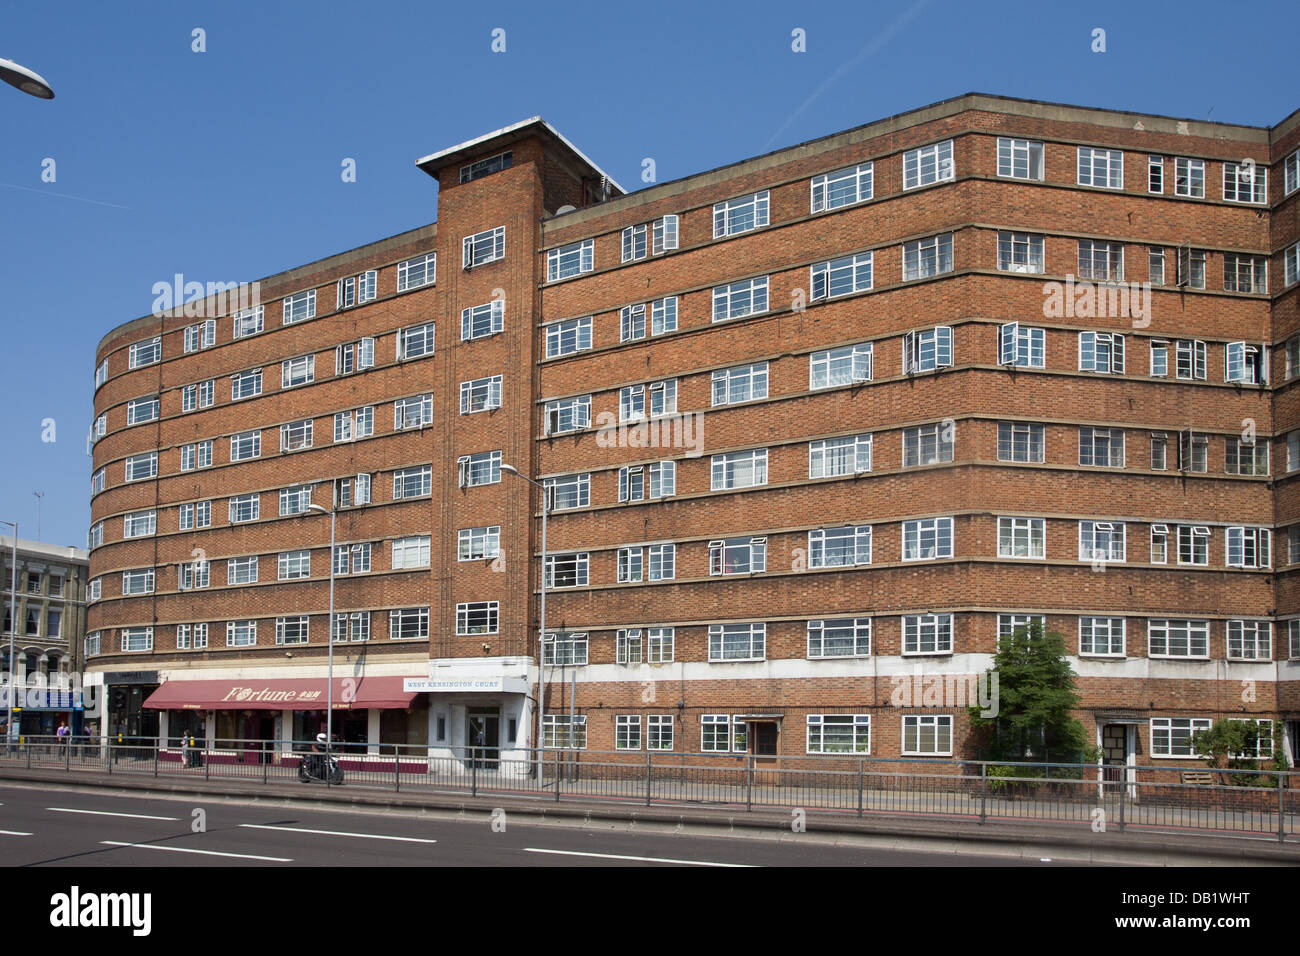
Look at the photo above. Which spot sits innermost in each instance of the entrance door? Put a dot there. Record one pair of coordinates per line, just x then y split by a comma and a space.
483, 735
763, 740
1115, 751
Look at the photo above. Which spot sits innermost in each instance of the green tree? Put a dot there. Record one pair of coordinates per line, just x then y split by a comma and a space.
1035, 699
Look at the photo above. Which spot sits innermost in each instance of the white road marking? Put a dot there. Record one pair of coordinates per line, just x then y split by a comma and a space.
639, 859
365, 836
181, 849
14, 833
109, 813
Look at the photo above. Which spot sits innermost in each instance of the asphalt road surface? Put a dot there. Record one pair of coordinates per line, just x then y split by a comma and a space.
57, 826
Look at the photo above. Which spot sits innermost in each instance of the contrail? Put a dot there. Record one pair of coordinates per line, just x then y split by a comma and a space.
46, 192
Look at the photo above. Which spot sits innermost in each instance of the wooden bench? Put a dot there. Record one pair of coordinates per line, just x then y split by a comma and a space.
1198, 777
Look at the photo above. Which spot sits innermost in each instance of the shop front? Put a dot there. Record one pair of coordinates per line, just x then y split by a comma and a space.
39, 711
128, 717
479, 709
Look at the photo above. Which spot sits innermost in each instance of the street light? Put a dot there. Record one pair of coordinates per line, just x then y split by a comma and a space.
329, 636
26, 80
541, 638
13, 619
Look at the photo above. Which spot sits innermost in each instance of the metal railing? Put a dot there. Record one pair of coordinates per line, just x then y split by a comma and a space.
1233, 801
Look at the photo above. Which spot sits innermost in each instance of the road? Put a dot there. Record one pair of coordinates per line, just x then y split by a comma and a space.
80, 827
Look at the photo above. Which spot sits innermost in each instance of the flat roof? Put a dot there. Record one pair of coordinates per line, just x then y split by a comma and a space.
60, 552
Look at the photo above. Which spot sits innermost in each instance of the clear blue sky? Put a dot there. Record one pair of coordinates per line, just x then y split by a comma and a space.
224, 165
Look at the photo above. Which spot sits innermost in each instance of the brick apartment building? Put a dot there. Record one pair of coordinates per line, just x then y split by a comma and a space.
813, 423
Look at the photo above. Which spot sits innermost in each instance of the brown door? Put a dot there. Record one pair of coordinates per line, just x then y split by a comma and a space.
763, 742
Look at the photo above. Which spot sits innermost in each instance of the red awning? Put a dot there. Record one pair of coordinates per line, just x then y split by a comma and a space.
310, 693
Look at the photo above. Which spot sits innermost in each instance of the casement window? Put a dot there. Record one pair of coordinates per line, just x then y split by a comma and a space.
1101, 447
480, 321
351, 626
567, 570
418, 271
1191, 267
100, 428
639, 482
1008, 624
295, 436
1172, 736
1101, 352
565, 647
1155, 265
1193, 451
632, 323
741, 469
635, 242
1021, 441
477, 617
142, 410
740, 215
569, 491
1101, 261
738, 556
737, 642
351, 425
839, 547
1189, 177
1159, 364
927, 736
1159, 543
486, 167
246, 445
413, 482
1246, 457
95, 537
722, 733
844, 187
739, 299
94, 590
631, 565
299, 306
627, 731
1021, 537
478, 544
1293, 545
927, 634
354, 290
1193, 544
1101, 636
352, 559
1262, 748
663, 235
1169, 638
1021, 252
298, 371
480, 395
1245, 273
194, 515
241, 570
1291, 173
927, 257
137, 582
1190, 359
416, 341
1101, 541
927, 445
563, 731
1249, 547
245, 384
742, 383
838, 733
293, 565
413, 412
567, 415
843, 276
841, 637
248, 321
927, 539
191, 637
565, 338
483, 247
1250, 641
662, 562
846, 365
136, 639
140, 467
201, 336
1155, 174
1020, 158
291, 630
663, 315
408, 624
1292, 452
571, 260
196, 455
846, 455
660, 396
1021, 346
481, 468
927, 349
198, 395
295, 500
660, 644
1245, 182
1290, 276
140, 524
146, 353
101, 373
354, 356
1101, 167
928, 164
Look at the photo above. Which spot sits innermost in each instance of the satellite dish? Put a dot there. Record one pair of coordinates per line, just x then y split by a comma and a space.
566, 208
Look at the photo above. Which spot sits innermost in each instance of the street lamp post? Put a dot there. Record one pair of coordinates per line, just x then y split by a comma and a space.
541, 637
15, 74
13, 624
329, 637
